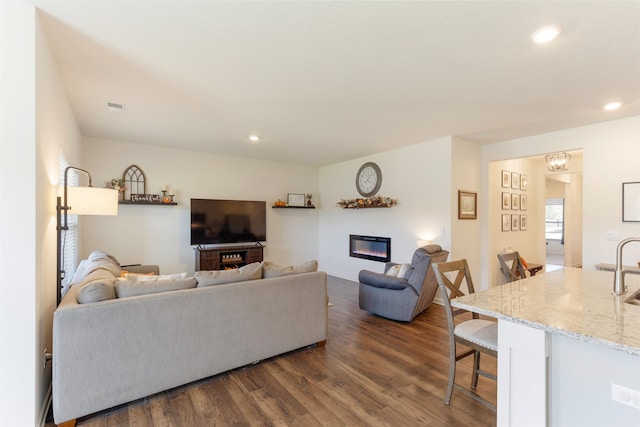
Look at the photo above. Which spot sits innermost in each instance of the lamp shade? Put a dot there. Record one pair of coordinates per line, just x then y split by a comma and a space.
92, 201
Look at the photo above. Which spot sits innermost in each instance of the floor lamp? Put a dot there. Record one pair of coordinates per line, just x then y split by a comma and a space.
80, 201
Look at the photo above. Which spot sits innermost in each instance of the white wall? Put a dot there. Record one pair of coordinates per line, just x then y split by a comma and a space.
160, 234
418, 176
18, 184
465, 233
573, 214
611, 157
36, 119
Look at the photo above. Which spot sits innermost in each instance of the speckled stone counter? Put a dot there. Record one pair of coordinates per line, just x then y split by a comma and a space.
573, 302
568, 349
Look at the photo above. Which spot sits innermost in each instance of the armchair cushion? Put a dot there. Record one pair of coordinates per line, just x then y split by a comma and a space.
379, 280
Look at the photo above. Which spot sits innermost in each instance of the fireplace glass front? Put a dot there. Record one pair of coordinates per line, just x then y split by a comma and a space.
370, 247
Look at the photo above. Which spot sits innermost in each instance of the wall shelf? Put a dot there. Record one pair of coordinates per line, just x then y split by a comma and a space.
129, 202
293, 207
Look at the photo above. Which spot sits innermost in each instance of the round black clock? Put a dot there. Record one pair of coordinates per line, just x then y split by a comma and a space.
368, 179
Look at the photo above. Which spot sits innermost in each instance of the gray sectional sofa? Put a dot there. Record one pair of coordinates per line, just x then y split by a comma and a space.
117, 350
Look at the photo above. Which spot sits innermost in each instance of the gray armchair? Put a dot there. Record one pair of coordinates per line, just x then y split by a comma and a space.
402, 298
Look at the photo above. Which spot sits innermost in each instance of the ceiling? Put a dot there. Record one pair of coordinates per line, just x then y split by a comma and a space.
324, 82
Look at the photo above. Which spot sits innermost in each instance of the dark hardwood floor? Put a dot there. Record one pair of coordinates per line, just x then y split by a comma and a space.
372, 372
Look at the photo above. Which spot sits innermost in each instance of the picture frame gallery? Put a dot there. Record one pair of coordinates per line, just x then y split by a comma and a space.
514, 200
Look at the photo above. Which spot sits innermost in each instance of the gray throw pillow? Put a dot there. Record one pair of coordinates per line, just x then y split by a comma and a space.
270, 269
218, 277
131, 288
96, 291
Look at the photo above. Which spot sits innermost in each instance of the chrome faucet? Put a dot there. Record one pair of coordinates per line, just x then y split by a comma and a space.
618, 276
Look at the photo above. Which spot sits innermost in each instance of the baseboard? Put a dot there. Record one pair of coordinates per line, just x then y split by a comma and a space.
44, 410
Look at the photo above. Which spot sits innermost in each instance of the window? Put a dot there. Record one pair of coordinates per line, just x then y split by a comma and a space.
70, 236
554, 219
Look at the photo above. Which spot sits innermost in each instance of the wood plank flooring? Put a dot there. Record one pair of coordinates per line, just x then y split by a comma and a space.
372, 372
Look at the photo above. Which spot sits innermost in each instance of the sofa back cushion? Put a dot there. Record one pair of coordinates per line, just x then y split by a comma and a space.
131, 288
270, 269
217, 277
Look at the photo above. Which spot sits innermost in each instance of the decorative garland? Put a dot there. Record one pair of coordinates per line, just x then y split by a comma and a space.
367, 202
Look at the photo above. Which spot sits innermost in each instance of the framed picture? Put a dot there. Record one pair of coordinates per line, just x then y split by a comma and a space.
506, 201
294, 199
515, 202
515, 180
515, 222
506, 222
467, 204
523, 182
631, 201
523, 202
506, 179
523, 222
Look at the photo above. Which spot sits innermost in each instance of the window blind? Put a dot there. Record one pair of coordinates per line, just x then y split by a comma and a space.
70, 236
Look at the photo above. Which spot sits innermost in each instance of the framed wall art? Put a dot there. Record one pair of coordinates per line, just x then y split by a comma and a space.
631, 201
523, 222
294, 199
506, 201
506, 179
523, 202
515, 222
506, 222
515, 180
515, 202
467, 205
523, 182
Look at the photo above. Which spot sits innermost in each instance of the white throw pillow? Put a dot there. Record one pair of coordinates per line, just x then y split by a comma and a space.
403, 270
393, 270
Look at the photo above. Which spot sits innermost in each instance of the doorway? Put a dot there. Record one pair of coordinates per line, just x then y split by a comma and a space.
563, 218
554, 233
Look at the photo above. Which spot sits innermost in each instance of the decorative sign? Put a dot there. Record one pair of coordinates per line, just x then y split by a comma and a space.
145, 198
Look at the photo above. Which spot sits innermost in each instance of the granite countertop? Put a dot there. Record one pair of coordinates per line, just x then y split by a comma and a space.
571, 301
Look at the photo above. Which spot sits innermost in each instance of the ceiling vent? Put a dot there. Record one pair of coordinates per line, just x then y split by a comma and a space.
112, 106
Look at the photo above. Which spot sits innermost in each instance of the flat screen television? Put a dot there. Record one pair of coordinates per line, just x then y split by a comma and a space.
228, 221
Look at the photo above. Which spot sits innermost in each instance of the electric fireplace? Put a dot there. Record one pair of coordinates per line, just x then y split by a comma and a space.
370, 247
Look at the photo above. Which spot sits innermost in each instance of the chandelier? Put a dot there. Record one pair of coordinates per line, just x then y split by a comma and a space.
558, 161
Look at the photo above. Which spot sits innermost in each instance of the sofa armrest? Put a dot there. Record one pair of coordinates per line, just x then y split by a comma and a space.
379, 280
142, 268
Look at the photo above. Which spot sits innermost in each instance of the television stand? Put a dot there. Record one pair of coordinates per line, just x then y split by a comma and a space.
227, 257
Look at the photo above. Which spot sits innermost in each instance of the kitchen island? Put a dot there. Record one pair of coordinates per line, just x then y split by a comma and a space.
568, 349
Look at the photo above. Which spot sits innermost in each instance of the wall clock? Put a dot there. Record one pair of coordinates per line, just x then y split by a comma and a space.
368, 179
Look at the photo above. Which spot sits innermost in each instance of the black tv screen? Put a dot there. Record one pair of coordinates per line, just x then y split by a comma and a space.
228, 221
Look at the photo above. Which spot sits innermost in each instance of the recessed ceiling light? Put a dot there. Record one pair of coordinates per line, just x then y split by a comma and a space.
113, 106
254, 138
612, 106
545, 34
